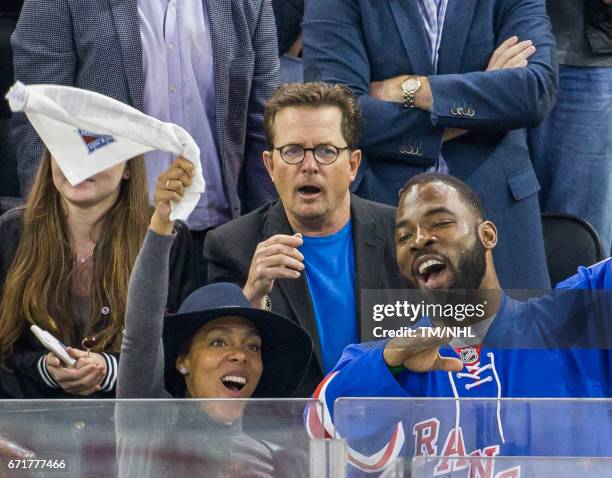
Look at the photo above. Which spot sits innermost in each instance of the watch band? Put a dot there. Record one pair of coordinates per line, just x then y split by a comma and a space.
409, 99
409, 93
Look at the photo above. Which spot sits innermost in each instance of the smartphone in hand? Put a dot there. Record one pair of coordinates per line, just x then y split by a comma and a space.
53, 345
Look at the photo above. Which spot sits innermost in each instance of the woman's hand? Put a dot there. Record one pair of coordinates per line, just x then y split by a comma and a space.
84, 378
171, 186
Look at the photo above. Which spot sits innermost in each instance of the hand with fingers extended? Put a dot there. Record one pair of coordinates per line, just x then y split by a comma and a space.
274, 258
511, 54
171, 186
419, 354
84, 378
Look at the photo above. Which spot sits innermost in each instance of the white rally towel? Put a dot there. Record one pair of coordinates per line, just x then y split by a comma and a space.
87, 132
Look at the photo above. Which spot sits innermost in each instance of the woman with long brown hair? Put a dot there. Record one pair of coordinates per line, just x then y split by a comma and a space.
65, 263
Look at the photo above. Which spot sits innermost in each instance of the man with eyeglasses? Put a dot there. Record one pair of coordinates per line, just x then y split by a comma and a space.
308, 255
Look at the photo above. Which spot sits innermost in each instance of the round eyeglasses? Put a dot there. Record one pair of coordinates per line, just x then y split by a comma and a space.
323, 153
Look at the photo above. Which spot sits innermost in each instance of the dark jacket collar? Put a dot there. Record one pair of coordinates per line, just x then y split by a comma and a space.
369, 243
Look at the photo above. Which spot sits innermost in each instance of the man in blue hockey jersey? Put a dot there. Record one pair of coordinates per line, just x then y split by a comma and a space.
520, 349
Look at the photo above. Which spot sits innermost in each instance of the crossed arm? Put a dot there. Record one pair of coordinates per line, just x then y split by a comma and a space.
512, 53
508, 94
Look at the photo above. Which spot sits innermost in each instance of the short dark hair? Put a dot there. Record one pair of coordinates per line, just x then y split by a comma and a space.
466, 193
315, 95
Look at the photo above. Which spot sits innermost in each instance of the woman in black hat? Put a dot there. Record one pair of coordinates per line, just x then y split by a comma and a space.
216, 346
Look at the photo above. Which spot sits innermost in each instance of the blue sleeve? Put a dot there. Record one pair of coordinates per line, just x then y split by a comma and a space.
360, 372
335, 52
598, 276
563, 318
504, 99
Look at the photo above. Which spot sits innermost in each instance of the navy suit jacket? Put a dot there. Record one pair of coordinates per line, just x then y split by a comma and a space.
96, 45
354, 42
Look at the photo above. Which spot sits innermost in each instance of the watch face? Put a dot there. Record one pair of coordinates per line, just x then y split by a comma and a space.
411, 84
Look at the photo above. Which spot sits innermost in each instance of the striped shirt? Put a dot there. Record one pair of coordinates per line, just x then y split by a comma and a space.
179, 88
433, 13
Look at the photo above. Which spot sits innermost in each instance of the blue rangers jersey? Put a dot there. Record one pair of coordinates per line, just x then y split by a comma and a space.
463, 428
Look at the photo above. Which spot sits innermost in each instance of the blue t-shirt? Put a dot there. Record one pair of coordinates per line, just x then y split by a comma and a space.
330, 272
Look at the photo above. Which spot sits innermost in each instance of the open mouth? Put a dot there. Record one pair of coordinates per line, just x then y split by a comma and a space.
432, 272
233, 383
309, 190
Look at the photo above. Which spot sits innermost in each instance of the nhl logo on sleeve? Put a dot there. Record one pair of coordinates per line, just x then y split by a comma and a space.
95, 141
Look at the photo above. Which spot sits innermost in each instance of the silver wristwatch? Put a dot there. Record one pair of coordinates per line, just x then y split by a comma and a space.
410, 86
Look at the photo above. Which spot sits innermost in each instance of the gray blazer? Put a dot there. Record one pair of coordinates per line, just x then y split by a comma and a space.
96, 45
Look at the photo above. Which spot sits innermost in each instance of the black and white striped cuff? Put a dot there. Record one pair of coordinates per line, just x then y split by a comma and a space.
44, 373
107, 384
111, 373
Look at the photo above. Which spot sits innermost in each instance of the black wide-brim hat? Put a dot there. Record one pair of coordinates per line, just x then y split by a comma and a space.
286, 347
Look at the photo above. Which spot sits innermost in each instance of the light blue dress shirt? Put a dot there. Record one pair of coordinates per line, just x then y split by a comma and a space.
433, 13
179, 87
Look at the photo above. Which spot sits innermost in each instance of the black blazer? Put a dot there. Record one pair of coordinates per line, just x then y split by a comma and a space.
229, 250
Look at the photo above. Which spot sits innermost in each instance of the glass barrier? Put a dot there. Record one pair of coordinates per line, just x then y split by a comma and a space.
510, 467
155, 438
460, 438
469, 438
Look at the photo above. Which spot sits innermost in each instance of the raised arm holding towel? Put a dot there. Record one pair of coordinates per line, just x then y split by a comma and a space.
217, 346
67, 255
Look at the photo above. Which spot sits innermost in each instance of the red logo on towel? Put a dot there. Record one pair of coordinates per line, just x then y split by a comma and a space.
95, 141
